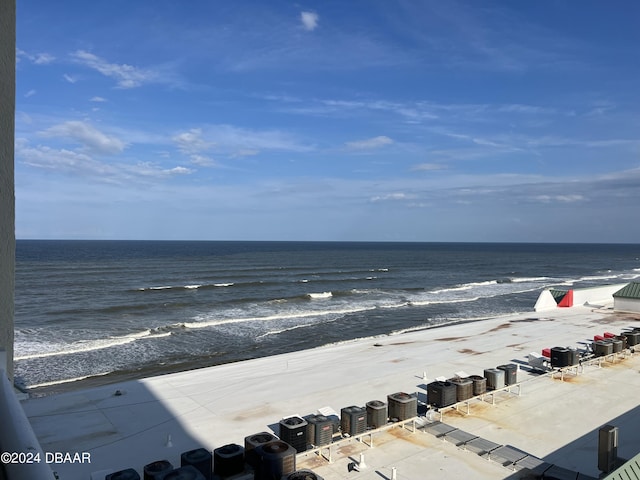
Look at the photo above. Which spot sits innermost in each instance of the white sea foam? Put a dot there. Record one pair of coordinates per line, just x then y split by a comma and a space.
319, 296
223, 284
84, 346
192, 287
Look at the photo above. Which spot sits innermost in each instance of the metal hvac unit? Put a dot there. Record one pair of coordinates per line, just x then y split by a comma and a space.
128, 474
353, 420
228, 460
560, 357
602, 348
252, 442
464, 388
319, 430
441, 394
188, 472
302, 475
510, 373
623, 339
293, 430
199, 458
402, 406
276, 459
376, 413
633, 338
479, 384
495, 378
154, 470
617, 345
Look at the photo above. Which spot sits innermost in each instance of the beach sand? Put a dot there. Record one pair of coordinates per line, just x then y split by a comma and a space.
133, 423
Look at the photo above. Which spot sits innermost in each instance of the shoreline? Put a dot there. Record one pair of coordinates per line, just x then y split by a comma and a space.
110, 378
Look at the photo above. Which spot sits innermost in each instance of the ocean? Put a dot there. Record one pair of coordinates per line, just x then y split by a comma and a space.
105, 311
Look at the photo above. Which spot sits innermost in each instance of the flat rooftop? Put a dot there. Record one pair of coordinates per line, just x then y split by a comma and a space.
130, 424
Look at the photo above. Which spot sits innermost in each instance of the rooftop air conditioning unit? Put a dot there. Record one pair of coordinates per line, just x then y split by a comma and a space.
252, 442
154, 470
402, 406
376, 413
228, 460
188, 472
302, 475
479, 384
441, 394
276, 459
320, 430
199, 458
128, 474
464, 388
353, 420
511, 371
495, 378
293, 430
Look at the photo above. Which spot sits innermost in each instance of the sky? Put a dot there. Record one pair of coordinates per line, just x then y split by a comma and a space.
366, 120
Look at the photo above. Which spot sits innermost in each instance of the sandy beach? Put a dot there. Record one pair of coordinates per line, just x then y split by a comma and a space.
133, 423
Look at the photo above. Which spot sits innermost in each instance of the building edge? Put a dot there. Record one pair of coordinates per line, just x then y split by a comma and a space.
7, 184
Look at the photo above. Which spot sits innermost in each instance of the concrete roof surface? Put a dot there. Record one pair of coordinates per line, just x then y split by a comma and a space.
556, 421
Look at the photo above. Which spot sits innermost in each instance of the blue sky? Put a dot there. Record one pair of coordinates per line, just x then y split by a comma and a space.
363, 120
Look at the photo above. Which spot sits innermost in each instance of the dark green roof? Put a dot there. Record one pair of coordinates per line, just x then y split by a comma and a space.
557, 295
630, 291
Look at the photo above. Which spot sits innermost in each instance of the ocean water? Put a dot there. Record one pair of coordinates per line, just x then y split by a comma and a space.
110, 310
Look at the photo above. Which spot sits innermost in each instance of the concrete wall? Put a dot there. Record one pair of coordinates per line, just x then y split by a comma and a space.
7, 195
596, 295
628, 305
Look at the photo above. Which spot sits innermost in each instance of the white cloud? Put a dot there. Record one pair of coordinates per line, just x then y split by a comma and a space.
126, 76
428, 167
369, 143
85, 134
30, 93
98, 99
37, 59
392, 197
70, 78
192, 141
309, 20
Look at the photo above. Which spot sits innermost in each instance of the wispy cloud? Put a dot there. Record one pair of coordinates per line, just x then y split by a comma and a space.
236, 142
369, 143
428, 167
30, 93
126, 76
98, 99
309, 20
86, 135
70, 78
37, 59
